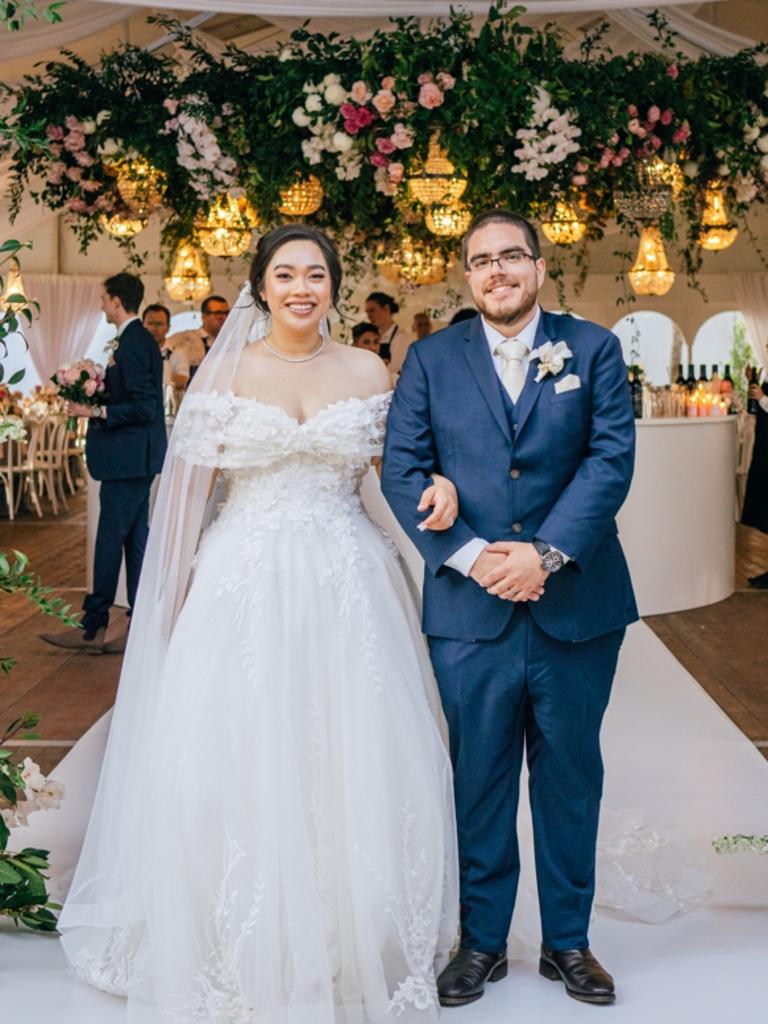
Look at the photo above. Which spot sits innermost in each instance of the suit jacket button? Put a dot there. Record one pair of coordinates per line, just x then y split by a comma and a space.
517, 527
515, 474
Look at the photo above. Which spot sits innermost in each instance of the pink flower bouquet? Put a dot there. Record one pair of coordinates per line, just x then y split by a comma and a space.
80, 382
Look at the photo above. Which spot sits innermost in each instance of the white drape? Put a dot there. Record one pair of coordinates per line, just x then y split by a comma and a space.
388, 8
69, 315
750, 291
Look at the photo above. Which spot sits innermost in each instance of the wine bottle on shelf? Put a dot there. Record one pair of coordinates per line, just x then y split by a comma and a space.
690, 382
680, 382
636, 393
714, 380
753, 404
703, 379
726, 384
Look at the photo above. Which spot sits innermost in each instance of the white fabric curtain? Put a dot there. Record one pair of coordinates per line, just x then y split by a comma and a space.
750, 291
69, 315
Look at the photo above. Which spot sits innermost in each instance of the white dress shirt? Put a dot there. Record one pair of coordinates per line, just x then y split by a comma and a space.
463, 559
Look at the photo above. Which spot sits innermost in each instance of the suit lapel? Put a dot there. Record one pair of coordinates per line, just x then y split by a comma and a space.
531, 393
480, 362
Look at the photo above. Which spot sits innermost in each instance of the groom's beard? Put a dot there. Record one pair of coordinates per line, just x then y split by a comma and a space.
509, 308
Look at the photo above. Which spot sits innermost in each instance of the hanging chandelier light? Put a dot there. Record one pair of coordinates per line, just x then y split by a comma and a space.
303, 198
14, 288
122, 224
226, 229
717, 232
562, 225
413, 261
189, 280
141, 186
651, 273
437, 183
654, 172
448, 221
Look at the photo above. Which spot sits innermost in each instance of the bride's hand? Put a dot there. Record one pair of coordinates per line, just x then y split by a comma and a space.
443, 498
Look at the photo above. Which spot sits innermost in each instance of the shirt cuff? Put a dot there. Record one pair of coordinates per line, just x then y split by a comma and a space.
763, 402
463, 559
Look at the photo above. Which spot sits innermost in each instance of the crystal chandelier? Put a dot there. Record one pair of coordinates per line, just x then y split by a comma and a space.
413, 261
189, 280
141, 186
303, 198
226, 228
716, 233
644, 203
14, 288
437, 183
651, 273
448, 221
122, 224
563, 225
655, 173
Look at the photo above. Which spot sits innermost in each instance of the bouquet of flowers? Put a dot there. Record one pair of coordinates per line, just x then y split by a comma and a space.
80, 382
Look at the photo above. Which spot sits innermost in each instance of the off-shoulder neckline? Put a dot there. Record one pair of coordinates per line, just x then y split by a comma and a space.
326, 408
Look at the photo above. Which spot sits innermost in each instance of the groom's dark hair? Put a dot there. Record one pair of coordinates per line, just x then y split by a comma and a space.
501, 216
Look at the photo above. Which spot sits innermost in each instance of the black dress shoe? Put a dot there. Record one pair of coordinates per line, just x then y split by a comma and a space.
583, 976
463, 980
759, 582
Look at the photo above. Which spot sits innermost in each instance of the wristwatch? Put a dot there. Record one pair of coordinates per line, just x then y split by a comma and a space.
551, 559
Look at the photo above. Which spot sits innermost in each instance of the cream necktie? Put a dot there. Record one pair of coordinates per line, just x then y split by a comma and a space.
513, 352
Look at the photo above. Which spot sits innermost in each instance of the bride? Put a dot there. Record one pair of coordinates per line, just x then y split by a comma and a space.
273, 837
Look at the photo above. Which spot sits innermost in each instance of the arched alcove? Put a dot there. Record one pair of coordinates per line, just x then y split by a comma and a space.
654, 341
722, 339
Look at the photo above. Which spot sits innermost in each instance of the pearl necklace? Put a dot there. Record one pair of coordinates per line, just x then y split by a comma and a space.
295, 359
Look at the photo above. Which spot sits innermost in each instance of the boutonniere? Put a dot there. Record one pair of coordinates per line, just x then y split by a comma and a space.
112, 346
551, 358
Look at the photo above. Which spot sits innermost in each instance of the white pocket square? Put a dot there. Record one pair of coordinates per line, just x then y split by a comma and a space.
568, 383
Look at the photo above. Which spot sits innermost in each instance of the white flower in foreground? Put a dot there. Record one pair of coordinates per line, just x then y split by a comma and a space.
300, 117
314, 103
335, 94
343, 142
551, 358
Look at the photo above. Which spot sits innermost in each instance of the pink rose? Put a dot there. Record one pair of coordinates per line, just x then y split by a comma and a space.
83, 158
90, 186
396, 171
409, 107
634, 126
667, 115
72, 123
53, 131
364, 117
623, 153
579, 179
172, 124
74, 141
348, 111
76, 205
379, 160
171, 106
103, 203
385, 146
653, 114
388, 82
614, 138
616, 162
74, 173
55, 149
655, 141
641, 133
581, 166
632, 110
445, 80
55, 174
673, 71
682, 133
401, 137
430, 96
606, 158
360, 94
384, 101
90, 388
351, 128
425, 77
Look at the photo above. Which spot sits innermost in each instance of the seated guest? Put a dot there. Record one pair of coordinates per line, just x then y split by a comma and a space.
422, 325
462, 314
157, 320
189, 348
755, 511
380, 309
365, 335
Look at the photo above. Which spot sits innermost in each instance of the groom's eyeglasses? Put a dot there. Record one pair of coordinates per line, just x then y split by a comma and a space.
512, 260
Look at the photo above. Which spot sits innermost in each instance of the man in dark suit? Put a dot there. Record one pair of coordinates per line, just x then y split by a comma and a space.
529, 414
125, 448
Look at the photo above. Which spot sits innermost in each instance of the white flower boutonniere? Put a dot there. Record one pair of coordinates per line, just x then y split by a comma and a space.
551, 359
112, 346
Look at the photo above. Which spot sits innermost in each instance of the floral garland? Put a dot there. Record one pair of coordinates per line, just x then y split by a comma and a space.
520, 121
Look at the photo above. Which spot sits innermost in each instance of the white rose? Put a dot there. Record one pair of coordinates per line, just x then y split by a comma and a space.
762, 143
335, 94
751, 133
331, 79
343, 142
314, 103
309, 87
88, 126
109, 147
300, 117
690, 169
102, 116
764, 162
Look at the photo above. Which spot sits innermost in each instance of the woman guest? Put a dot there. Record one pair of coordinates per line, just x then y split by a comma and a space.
367, 336
380, 309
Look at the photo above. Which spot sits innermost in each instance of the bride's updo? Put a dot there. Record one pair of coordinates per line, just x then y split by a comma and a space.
269, 244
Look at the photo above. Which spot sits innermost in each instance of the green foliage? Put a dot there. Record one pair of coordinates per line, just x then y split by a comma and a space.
741, 357
23, 891
13, 13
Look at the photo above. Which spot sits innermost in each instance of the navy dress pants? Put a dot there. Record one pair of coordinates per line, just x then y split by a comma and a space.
123, 527
526, 691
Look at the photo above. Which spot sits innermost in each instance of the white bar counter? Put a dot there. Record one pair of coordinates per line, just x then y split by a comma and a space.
677, 525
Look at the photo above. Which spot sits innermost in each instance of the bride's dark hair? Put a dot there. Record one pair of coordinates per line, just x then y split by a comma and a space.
269, 244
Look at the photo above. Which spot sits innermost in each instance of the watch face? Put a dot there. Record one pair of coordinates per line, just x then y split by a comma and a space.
552, 561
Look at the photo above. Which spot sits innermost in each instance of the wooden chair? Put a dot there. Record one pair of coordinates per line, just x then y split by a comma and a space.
51, 458
23, 466
74, 463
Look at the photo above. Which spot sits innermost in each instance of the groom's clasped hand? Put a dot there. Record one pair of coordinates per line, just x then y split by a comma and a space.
510, 570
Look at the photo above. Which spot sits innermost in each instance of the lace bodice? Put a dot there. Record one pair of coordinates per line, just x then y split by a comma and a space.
272, 460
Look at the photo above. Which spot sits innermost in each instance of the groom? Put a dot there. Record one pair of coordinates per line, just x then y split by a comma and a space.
527, 596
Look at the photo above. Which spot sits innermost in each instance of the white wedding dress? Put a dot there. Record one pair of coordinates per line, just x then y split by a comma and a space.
299, 849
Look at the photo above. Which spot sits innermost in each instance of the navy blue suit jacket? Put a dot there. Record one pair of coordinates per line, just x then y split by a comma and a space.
132, 440
573, 454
